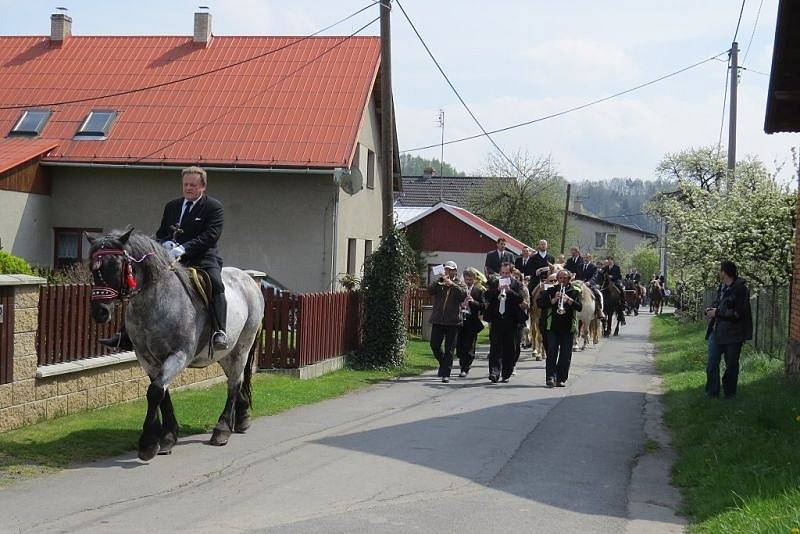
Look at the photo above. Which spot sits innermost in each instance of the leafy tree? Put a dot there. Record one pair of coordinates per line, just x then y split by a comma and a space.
386, 278
416, 165
529, 207
747, 218
645, 259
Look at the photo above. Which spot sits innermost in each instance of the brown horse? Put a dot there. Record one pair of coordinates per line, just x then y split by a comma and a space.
656, 297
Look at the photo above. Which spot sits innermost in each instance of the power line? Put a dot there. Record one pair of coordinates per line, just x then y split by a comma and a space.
572, 109
752, 34
193, 76
739, 22
458, 95
260, 93
754, 71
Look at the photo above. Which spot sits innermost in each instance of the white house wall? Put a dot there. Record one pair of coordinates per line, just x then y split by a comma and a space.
626, 239
25, 228
462, 259
360, 215
277, 223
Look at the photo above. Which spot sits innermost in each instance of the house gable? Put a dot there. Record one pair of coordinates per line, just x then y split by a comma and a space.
440, 230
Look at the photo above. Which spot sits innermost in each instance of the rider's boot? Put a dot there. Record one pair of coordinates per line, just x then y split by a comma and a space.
119, 341
220, 338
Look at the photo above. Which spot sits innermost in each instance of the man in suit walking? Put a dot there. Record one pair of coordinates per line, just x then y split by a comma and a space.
524, 264
504, 313
472, 307
496, 258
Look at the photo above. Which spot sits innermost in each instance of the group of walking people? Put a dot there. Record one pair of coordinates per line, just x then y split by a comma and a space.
502, 297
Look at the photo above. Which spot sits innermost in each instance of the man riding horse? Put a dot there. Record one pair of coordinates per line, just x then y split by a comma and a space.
190, 228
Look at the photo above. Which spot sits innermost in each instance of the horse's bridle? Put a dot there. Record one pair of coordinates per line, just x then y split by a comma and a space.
127, 282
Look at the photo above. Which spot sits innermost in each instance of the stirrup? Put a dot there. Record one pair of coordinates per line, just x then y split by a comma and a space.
220, 340
119, 341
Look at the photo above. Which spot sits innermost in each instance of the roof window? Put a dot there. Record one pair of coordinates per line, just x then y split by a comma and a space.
31, 123
97, 124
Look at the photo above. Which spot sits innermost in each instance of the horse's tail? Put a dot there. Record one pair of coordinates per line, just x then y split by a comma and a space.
248, 371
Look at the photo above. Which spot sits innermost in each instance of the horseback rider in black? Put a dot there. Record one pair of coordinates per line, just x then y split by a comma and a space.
190, 228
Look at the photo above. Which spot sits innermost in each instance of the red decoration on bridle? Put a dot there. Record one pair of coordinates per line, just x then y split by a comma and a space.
127, 282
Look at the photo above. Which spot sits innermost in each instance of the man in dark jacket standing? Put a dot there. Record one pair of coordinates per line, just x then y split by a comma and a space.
448, 293
541, 259
503, 311
560, 327
496, 258
525, 264
472, 307
730, 326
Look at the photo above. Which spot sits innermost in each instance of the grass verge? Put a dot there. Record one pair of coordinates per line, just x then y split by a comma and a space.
738, 461
50, 445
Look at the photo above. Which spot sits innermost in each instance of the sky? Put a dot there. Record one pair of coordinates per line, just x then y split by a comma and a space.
514, 61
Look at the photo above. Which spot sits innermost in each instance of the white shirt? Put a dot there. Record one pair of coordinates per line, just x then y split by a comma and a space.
543, 254
183, 207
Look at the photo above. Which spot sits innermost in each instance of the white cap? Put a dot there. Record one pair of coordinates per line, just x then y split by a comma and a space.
451, 265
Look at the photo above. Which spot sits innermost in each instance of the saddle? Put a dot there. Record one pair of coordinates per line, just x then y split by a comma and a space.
197, 284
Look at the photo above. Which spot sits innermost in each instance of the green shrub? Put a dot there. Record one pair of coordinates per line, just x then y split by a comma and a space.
386, 277
13, 264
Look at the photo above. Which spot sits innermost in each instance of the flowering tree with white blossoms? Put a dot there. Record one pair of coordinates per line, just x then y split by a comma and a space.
746, 218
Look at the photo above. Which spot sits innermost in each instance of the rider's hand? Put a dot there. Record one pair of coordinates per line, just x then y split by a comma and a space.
177, 251
169, 245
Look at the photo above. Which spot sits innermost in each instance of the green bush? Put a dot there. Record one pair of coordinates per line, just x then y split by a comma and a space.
386, 278
13, 264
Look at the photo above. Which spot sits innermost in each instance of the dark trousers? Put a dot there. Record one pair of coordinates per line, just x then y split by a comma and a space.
716, 352
466, 346
448, 334
502, 335
219, 304
518, 342
559, 354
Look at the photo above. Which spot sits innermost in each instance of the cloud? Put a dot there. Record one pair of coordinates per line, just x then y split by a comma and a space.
563, 62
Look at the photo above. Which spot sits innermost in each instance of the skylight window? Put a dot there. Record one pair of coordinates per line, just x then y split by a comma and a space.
96, 125
31, 123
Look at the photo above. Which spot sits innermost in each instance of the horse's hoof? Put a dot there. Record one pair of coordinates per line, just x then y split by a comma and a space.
219, 438
166, 444
148, 453
243, 425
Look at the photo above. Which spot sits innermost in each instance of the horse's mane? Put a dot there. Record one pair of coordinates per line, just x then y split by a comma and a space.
139, 245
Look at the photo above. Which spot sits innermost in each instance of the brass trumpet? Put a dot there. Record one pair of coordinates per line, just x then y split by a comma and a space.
561, 310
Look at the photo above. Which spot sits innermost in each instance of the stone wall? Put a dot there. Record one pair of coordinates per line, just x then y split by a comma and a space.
29, 399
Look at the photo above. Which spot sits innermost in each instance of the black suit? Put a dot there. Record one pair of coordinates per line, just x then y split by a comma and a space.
575, 266
199, 232
589, 272
614, 273
538, 263
470, 328
503, 329
494, 261
525, 267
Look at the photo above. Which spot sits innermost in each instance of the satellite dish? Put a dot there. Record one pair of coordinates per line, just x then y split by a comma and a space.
351, 180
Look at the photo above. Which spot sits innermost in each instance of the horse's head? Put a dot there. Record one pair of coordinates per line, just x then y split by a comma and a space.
112, 272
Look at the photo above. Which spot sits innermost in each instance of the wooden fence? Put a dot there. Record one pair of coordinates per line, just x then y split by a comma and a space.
298, 330
66, 329
416, 298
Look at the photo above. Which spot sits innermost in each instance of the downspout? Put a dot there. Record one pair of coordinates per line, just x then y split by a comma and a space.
337, 180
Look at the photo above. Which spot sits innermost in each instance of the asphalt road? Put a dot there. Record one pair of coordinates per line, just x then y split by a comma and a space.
413, 455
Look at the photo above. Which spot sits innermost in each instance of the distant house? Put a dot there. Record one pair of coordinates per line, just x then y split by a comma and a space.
595, 234
445, 232
279, 136
600, 236
783, 115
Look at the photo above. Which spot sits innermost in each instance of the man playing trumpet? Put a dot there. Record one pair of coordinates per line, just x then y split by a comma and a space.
448, 293
559, 305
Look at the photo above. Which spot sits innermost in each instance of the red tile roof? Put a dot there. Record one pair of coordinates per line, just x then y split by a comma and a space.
17, 150
309, 119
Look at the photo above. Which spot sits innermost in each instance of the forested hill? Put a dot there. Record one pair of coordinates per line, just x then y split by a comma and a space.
415, 166
621, 199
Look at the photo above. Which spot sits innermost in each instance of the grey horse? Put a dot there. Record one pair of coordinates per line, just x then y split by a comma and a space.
170, 329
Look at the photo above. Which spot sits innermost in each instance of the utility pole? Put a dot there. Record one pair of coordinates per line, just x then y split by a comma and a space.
564, 229
732, 117
387, 116
441, 162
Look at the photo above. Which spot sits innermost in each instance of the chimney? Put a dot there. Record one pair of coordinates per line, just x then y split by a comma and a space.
202, 27
428, 172
60, 28
577, 205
